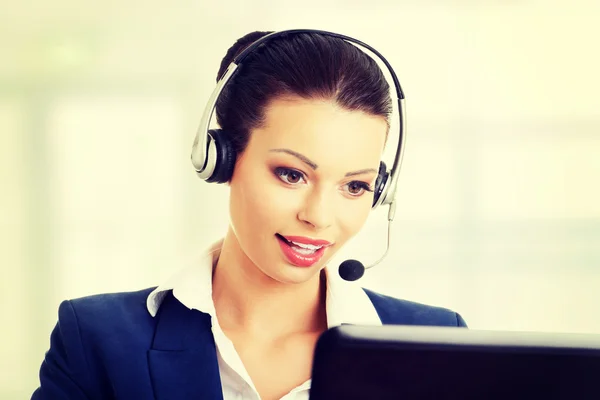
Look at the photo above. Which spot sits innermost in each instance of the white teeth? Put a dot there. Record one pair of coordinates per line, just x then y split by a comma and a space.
307, 246
304, 252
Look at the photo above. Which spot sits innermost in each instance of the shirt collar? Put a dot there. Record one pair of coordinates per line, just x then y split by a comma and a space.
346, 302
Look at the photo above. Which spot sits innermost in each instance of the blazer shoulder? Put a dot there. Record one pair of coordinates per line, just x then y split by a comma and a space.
94, 335
113, 301
108, 315
404, 312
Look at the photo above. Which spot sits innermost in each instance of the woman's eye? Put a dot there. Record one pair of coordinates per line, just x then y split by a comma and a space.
356, 188
289, 175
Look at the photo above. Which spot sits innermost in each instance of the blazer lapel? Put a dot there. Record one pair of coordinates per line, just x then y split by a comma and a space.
183, 359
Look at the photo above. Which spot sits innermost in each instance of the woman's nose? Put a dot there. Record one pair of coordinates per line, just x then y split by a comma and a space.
318, 210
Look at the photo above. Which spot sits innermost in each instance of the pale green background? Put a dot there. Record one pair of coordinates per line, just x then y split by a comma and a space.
499, 201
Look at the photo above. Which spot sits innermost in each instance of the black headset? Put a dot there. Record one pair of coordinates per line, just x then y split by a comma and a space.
213, 154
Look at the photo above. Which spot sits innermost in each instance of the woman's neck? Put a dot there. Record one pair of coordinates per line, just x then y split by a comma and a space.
248, 300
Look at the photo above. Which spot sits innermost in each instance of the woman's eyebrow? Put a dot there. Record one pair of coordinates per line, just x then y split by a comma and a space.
302, 158
314, 166
362, 171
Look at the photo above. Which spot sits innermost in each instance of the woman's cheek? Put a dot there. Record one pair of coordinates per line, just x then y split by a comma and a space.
284, 200
353, 214
272, 199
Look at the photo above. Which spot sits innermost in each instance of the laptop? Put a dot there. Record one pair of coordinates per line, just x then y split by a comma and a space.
410, 362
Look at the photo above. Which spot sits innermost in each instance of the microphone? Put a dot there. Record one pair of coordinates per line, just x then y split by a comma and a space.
352, 270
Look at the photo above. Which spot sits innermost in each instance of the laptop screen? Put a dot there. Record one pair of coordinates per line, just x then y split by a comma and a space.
401, 362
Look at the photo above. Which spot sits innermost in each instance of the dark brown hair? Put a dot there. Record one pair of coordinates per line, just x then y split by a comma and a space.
306, 65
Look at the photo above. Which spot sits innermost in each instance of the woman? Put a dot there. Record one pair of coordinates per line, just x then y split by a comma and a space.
307, 117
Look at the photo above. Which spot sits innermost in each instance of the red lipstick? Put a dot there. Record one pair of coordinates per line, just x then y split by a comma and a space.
305, 240
302, 251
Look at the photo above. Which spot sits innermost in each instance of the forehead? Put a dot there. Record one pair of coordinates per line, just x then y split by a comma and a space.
322, 131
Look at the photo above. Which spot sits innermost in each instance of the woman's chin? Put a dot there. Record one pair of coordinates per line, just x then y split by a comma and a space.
293, 275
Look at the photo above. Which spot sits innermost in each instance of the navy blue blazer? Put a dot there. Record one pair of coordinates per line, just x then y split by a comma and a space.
108, 346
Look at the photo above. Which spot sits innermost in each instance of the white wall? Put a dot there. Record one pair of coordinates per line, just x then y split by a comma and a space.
498, 217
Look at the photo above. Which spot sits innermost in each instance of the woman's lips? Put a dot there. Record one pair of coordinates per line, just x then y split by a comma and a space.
298, 256
306, 240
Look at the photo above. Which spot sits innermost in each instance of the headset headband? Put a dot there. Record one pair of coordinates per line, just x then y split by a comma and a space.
201, 153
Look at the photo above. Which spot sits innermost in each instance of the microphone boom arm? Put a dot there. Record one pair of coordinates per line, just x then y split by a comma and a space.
391, 214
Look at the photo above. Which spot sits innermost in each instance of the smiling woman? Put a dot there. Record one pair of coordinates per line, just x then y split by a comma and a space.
304, 123
292, 179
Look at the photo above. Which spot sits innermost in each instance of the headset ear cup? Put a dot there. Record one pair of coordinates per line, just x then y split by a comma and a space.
380, 182
225, 157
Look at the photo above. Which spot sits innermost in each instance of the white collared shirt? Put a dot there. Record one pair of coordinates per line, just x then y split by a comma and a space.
192, 286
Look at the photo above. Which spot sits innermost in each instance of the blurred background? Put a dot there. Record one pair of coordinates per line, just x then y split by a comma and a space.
499, 197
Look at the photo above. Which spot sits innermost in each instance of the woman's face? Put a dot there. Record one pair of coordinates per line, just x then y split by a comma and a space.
304, 180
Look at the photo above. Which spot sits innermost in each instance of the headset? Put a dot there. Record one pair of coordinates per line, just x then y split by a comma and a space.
213, 155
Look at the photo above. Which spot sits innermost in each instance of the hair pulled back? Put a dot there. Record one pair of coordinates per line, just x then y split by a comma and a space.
306, 65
